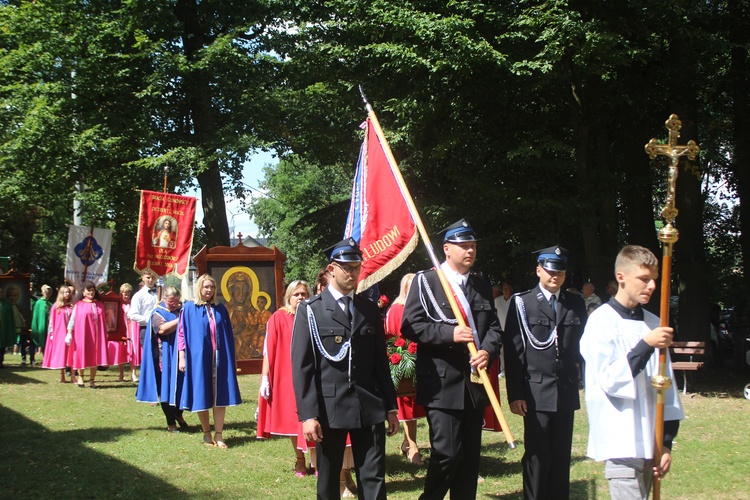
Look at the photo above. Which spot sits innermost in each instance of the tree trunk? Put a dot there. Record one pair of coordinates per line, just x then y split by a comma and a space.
597, 196
741, 154
689, 251
202, 119
638, 199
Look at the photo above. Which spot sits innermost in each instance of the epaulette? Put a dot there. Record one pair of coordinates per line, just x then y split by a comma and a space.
313, 299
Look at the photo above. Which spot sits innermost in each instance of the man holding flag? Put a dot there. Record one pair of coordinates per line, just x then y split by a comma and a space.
454, 403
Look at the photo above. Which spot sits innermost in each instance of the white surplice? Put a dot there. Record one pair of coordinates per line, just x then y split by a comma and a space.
621, 408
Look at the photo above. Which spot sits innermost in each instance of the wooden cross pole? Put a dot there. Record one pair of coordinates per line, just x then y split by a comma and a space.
668, 235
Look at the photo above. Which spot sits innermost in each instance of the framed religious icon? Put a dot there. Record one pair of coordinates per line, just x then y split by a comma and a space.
15, 300
112, 312
250, 284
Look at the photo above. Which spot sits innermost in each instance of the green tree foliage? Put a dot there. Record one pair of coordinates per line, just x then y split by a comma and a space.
527, 117
105, 94
306, 213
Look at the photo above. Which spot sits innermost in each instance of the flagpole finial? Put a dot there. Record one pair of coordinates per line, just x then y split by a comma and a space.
166, 171
364, 98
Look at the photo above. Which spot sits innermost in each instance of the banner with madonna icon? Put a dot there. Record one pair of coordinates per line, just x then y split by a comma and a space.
165, 233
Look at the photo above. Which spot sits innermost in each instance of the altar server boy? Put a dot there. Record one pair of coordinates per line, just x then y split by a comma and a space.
618, 346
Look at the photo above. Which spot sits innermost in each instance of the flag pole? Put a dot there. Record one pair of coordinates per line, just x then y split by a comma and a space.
436, 263
87, 252
668, 236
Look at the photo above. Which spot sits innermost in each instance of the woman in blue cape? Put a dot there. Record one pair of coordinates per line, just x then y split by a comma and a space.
162, 382
205, 344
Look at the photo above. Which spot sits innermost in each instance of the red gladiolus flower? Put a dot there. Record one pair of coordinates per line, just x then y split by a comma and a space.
395, 358
383, 301
399, 342
412, 347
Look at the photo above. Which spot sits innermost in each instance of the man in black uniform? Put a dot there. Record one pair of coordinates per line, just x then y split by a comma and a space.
454, 404
341, 377
543, 328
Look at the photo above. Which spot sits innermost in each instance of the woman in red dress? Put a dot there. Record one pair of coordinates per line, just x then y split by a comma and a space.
277, 408
408, 410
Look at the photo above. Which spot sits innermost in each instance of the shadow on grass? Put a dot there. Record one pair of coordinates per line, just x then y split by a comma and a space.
578, 489
715, 381
14, 374
497, 461
49, 464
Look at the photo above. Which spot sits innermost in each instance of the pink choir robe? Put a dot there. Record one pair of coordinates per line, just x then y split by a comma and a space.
88, 348
134, 340
56, 351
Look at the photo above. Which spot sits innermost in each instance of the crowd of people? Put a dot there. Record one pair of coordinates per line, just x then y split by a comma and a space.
340, 399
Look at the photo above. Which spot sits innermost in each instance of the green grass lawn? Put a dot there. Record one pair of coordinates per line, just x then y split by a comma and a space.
59, 441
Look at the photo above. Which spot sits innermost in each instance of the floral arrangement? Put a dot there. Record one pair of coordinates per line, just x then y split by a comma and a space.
402, 358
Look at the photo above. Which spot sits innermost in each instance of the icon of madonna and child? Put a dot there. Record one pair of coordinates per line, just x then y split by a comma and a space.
249, 310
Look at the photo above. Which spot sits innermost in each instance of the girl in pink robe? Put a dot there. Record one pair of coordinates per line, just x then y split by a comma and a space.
56, 351
87, 337
131, 332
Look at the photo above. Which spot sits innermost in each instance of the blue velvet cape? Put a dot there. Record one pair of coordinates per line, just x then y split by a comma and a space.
160, 383
198, 391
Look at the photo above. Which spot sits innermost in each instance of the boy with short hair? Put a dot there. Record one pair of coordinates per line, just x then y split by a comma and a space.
618, 344
144, 302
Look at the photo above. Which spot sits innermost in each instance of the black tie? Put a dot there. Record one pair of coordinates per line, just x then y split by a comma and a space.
553, 304
347, 301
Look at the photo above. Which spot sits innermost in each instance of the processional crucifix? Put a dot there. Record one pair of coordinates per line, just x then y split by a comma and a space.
668, 235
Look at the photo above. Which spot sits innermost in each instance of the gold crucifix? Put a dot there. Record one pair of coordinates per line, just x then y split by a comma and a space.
668, 235
674, 152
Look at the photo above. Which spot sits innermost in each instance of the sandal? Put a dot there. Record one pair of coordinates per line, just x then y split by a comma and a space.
207, 440
300, 472
219, 441
344, 490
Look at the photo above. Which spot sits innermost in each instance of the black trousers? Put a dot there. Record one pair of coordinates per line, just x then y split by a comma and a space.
368, 449
171, 412
548, 439
456, 440
142, 334
27, 346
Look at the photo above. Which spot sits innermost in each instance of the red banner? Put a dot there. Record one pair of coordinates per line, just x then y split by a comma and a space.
379, 218
165, 233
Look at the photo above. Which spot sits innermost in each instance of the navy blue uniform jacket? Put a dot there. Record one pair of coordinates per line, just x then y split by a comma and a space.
322, 387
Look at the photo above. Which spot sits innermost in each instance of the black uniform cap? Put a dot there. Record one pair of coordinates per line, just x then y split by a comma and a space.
458, 232
553, 258
346, 250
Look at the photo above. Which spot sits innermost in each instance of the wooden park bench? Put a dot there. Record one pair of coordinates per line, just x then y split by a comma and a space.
680, 350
